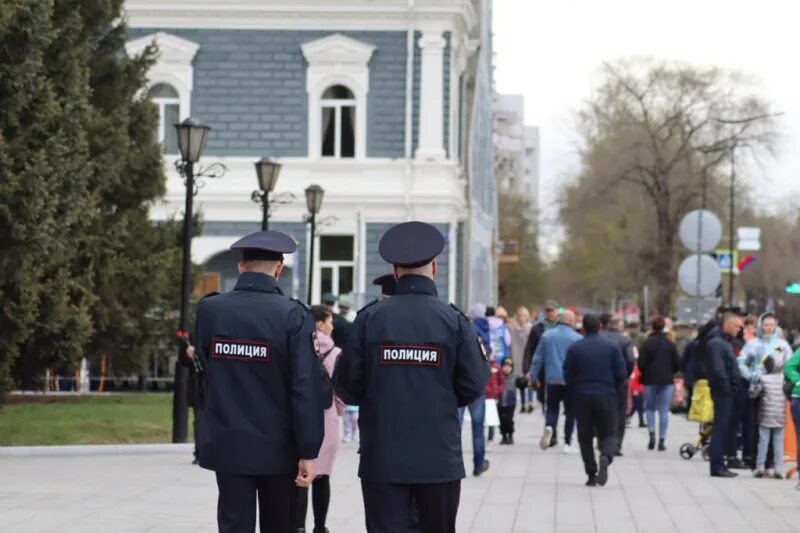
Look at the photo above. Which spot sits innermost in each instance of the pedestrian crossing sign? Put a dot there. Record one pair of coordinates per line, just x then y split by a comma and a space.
727, 260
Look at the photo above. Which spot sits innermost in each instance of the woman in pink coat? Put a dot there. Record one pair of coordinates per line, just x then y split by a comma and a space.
321, 486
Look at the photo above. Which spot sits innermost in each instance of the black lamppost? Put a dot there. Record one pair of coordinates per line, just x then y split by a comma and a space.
192, 138
314, 194
267, 171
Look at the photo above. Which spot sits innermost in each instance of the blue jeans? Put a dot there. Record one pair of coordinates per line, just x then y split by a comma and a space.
656, 400
796, 420
477, 411
764, 435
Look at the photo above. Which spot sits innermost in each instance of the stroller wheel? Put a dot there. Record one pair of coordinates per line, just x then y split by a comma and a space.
706, 452
687, 450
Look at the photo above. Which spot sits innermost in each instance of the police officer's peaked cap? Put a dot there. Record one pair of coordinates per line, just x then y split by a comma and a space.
265, 246
387, 284
329, 298
411, 244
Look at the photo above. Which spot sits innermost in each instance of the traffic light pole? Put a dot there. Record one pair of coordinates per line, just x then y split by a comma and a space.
732, 228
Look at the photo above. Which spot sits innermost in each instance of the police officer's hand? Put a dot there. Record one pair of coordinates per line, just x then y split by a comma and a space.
305, 472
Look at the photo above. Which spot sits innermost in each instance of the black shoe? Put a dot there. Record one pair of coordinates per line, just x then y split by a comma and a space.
592, 482
483, 468
195, 462
661, 446
736, 464
642, 424
530, 408
652, 444
618, 453
602, 474
510, 438
504, 440
724, 473
522, 409
321, 530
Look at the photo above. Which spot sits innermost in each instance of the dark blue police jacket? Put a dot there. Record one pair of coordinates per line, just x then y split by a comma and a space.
262, 408
410, 361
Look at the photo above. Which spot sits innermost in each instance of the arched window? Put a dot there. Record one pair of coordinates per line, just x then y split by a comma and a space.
169, 107
338, 122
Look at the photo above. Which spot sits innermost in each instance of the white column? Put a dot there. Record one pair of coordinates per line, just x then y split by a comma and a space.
431, 107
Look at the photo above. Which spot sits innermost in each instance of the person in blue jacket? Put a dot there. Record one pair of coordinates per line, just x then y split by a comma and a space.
260, 422
594, 370
410, 362
549, 356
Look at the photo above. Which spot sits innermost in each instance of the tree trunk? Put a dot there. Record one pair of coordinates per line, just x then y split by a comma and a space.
665, 271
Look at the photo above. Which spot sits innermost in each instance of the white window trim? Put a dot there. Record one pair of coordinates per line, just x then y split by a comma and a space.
337, 60
162, 102
337, 104
173, 66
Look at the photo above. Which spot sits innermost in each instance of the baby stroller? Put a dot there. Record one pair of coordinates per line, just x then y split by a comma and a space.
702, 411
701, 445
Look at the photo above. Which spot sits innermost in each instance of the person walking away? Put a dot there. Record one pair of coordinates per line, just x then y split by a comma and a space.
499, 337
612, 330
550, 355
341, 324
791, 373
410, 362
765, 343
260, 426
494, 391
594, 370
550, 319
321, 486
658, 363
508, 402
520, 331
771, 418
477, 409
716, 353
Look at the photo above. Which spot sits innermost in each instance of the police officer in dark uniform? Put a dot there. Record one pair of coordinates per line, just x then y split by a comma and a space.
387, 283
261, 422
409, 362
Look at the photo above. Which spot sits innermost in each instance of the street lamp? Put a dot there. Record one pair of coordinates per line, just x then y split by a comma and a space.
192, 138
314, 195
267, 171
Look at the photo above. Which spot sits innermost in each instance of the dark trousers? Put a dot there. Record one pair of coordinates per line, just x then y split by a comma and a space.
236, 507
506, 413
556, 394
596, 415
750, 431
739, 401
622, 407
423, 508
638, 407
320, 501
720, 434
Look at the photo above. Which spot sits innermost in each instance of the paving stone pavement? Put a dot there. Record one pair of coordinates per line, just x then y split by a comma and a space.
525, 491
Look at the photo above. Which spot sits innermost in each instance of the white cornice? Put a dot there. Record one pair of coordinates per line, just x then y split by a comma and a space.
449, 15
337, 48
171, 49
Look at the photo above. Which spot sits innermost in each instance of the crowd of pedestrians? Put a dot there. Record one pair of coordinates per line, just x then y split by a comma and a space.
593, 373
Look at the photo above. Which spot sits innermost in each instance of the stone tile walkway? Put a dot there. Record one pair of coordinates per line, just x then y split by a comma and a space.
525, 491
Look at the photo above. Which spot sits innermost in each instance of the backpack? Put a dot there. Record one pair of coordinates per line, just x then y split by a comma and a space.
326, 382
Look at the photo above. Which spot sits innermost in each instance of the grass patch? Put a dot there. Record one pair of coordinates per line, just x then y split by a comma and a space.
100, 419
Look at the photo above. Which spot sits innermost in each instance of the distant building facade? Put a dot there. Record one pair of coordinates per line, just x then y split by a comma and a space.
386, 105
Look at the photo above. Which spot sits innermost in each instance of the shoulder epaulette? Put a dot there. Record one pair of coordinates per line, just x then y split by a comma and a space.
300, 303
459, 311
210, 294
373, 302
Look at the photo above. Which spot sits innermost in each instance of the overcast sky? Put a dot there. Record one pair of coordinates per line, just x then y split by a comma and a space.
550, 52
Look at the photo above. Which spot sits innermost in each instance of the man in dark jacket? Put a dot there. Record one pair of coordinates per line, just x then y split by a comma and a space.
612, 330
724, 379
594, 370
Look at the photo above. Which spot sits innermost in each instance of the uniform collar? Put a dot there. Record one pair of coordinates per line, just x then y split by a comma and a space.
416, 284
256, 281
